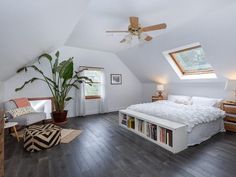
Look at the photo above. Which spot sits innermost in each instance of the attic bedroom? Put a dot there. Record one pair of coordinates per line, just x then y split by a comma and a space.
115, 88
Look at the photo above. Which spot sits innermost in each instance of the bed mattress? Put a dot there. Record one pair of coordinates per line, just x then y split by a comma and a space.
190, 115
204, 131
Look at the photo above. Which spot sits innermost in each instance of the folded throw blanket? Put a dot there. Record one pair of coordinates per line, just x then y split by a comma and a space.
21, 102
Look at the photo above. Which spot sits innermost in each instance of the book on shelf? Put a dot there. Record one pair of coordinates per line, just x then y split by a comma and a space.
141, 125
151, 131
131, 123
124, 120
166, 136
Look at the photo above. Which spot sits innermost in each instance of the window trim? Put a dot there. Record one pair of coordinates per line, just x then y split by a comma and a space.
92, 97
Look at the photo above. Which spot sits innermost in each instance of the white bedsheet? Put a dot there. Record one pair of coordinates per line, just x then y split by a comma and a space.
190, 115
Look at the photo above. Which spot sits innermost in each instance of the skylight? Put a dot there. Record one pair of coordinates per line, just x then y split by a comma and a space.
189, 62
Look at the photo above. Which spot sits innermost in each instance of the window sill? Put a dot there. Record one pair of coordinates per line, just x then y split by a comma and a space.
92, 97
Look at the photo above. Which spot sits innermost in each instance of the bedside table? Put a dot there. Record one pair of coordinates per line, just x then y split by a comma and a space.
230, 120
157, 98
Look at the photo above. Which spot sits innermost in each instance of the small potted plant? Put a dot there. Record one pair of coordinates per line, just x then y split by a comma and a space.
62, 79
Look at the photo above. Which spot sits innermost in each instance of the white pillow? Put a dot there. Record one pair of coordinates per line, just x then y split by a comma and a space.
204, 101
180, 99
21, 111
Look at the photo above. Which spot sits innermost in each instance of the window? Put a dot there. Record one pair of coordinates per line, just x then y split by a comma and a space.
93, 91
44, 104
189, 62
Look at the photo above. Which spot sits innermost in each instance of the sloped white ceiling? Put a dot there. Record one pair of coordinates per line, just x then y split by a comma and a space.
28, 28
215, 30
103, 15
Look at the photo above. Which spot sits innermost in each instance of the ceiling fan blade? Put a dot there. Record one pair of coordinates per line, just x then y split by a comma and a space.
154, 27
122, 41
148, 38
133, 22
117, 31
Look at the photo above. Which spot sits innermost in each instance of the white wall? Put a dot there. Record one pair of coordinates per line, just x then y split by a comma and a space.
214, 90
119, 96
27, 32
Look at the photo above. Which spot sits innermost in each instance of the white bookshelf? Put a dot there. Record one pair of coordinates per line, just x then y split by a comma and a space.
167, 134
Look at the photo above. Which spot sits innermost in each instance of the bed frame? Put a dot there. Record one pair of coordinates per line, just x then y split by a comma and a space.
168, 134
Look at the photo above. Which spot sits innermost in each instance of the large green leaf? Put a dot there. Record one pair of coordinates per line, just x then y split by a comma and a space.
61, 67
57, 54
45, 56
65, 69
55, 65
26, 83
22, 69
68, 98
68, 71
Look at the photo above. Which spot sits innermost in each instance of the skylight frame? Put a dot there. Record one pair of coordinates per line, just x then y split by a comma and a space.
198, 74
193, 72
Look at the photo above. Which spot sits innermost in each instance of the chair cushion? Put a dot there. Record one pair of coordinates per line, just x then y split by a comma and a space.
39, 137
28, 119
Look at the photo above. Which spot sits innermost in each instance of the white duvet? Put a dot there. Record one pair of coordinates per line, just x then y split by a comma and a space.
190, 115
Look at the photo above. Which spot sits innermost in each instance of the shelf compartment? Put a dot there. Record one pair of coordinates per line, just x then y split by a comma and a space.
131, 122
140, 126
123, 119
151, 131
166, 136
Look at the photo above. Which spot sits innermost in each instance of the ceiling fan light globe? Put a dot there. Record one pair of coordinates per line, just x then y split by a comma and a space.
128, 38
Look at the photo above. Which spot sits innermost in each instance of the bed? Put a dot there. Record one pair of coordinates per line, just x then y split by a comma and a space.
203, 116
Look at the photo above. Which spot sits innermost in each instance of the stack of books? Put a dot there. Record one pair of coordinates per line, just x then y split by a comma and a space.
124, 120
131, 123
166, 136
152, 131
141, 125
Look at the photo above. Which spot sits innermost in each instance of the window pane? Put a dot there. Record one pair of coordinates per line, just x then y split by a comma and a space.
94, 90
192, 60
94, 75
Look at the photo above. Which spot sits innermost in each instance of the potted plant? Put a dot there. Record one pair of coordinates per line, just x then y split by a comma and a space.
63, 78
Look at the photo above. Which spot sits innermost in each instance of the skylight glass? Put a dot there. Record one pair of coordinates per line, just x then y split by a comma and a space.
190, 62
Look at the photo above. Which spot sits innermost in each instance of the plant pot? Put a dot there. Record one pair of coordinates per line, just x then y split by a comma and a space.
59, 117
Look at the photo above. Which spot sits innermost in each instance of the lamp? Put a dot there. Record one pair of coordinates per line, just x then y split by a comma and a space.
160, 89
231, 86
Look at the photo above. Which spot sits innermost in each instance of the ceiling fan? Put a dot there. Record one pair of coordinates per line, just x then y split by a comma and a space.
135, 29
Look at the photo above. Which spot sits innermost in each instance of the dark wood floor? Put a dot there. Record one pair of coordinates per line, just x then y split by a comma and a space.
106, 150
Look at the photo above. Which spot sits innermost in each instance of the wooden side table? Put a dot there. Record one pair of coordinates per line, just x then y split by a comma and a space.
12, 125
230, 120
157, 98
